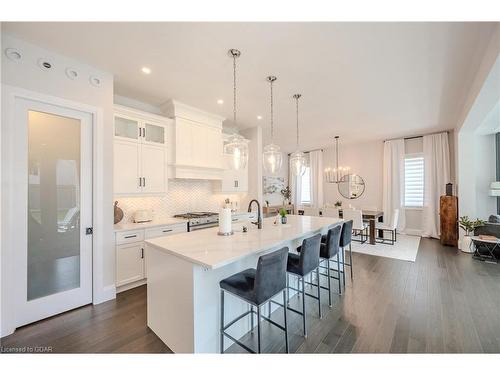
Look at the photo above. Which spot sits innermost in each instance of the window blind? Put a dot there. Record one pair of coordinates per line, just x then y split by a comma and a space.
414, 181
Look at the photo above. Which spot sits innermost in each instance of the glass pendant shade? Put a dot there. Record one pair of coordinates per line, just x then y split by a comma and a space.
272, 158
298, 163
236, 149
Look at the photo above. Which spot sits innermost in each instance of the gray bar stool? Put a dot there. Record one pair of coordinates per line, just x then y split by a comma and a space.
256, 287
301, 266
329, 249
346, 240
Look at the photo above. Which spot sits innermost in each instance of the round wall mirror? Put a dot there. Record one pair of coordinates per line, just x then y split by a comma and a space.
351, 186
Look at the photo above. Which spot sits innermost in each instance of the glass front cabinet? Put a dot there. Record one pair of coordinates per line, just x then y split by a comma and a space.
139, 153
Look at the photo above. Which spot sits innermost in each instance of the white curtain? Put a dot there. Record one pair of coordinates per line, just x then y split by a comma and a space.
393, 181
436, 176
316, 173
296, 188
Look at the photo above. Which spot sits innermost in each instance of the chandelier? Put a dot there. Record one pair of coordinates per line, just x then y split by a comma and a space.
334, 175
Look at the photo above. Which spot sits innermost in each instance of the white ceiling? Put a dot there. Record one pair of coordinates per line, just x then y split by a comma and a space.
362, 81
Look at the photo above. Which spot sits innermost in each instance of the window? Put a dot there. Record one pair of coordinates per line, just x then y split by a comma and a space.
305, 181
414, 180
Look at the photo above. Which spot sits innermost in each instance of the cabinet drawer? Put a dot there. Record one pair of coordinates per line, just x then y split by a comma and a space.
166, 230
129, 236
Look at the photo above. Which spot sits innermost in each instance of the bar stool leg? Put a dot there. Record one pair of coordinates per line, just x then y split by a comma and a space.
343, 266
319, 293
298, 287
350, 258
304, 307
221, 321
286, 323
269, 310
258, 329
287, 290
329, 284
251, 320
338, 271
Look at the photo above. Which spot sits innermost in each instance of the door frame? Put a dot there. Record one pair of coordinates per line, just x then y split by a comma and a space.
100, 292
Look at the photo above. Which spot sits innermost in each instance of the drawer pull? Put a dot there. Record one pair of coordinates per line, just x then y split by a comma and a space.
131, 236
142, 253
167, 230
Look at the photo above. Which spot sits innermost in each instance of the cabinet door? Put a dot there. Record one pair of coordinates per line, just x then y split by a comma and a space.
213, 148
153, 169
126, 167
154, 134
129, 263
126, 128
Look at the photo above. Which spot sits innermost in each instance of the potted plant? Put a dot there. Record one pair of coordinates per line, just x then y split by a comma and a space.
287, 194
468, 226
283, 215
338, 204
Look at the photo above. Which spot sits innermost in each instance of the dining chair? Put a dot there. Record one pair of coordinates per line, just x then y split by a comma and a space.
391, 227
330, 212
309, 211
359, 227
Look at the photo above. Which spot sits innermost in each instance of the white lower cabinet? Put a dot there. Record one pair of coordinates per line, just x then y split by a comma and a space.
131, 253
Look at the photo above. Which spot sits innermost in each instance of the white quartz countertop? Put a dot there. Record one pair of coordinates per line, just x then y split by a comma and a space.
150, 224
207, 249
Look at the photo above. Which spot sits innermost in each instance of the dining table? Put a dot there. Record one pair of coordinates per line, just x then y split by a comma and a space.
372, 216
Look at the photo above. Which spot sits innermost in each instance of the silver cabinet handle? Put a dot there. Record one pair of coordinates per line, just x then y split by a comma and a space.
167, 230
142, 253
131, 236
140, 181
144, 132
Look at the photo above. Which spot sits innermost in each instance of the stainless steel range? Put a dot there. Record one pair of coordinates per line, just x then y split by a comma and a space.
200, 220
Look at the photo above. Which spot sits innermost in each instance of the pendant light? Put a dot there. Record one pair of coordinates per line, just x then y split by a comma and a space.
236, 146
272, 156
298, 161
334, 175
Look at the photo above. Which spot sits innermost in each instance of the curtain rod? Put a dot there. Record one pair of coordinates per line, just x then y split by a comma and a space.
307, 152
418, 136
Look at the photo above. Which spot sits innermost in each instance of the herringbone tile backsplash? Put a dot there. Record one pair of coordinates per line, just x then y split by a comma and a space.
182, 196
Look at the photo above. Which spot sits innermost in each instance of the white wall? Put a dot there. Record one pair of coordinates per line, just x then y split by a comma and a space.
254, 165
27, 75
364, 159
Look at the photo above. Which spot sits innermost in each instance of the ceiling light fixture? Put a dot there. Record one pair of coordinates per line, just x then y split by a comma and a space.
272, 156
259, 117
298, 161
334, 175
220, 101
236, 146
146, 70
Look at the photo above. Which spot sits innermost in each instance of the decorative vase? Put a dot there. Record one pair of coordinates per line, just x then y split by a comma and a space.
465, 244
283, 220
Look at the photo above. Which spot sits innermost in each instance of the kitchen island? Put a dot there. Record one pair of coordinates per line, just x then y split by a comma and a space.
184, 273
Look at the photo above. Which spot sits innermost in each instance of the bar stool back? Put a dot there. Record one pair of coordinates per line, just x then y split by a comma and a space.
346, 240
328, 250
256, 287
302, 265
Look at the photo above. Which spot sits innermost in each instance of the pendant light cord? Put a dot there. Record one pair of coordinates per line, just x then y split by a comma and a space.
297, 112
234, 90
272, 124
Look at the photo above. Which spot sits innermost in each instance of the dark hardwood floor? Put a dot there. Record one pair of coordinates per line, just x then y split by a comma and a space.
445, 302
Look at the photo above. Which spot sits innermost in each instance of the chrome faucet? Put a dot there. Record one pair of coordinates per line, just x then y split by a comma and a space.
259, 217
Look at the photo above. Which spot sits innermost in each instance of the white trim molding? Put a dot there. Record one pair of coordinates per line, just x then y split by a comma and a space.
100, 291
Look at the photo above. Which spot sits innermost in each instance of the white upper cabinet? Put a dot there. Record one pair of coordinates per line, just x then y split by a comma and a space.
140, 153
196, 142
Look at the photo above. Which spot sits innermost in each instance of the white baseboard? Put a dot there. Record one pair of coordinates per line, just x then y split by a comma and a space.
412, 232
135, 284
106, 294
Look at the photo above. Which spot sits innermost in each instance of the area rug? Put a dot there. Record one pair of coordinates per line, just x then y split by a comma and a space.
405, 248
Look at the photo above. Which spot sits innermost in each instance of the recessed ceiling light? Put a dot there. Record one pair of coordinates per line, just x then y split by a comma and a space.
259, 117
146, 70
220, 101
